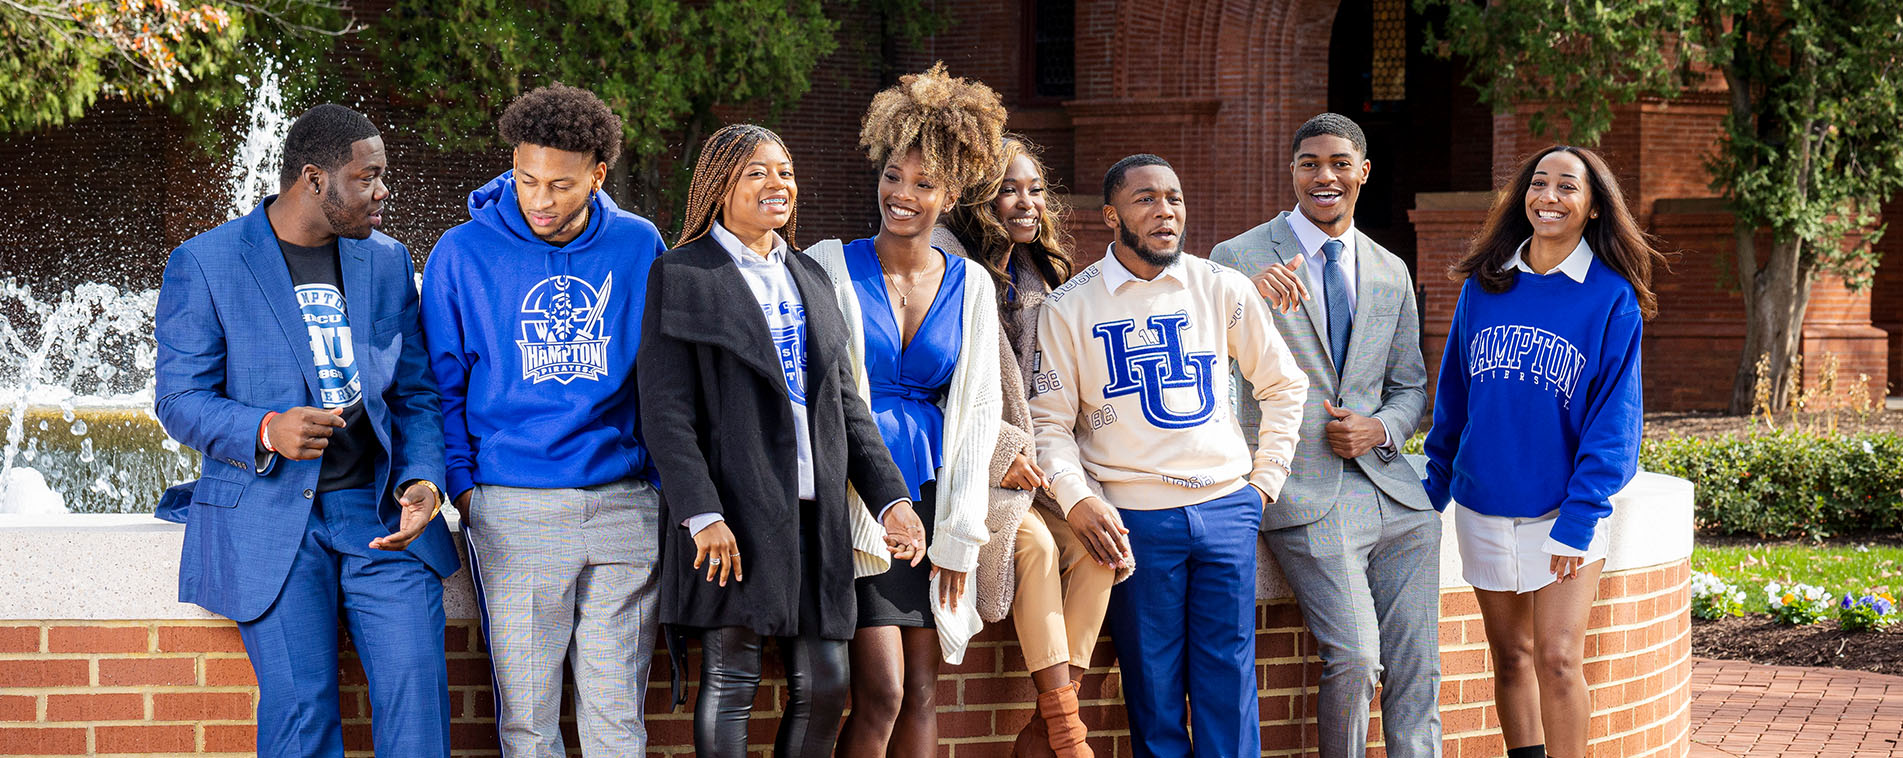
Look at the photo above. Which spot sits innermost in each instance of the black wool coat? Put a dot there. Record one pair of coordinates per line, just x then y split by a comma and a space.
715, 418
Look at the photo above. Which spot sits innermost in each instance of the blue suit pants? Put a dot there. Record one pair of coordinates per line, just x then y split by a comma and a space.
1184, 629
393, 605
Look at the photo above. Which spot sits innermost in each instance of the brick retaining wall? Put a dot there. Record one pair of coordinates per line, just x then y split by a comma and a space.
185, 686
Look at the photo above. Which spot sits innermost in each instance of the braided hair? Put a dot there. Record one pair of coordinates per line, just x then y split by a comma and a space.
957, 125
715, 173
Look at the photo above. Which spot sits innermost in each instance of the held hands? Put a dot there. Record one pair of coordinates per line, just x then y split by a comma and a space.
1283, 287
904, 533
302, 433
716, 547
1023, 474
1102, 531
1566, 567
419, 507
1352, 435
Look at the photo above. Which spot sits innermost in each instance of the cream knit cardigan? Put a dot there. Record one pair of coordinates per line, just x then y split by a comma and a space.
972, 414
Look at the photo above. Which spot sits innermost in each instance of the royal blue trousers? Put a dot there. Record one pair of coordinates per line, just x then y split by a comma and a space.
393, 605
1184, 629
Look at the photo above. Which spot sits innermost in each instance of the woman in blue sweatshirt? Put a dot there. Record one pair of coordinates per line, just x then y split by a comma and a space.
1536, 424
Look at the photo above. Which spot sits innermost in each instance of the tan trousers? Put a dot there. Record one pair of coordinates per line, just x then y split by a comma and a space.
1061, 595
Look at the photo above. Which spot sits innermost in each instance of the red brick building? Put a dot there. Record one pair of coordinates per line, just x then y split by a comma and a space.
1216, 87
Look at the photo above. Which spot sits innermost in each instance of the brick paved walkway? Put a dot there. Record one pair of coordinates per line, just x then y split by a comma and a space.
1741, 709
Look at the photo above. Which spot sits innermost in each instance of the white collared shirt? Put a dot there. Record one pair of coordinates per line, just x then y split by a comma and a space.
779, 299
1575, 267
1115, 275
1311, 238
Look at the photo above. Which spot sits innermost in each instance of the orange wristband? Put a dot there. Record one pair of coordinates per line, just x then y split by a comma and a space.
265, 439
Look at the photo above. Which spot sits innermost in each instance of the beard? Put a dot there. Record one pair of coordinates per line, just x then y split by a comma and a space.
343, 223
577, 219
1161, 259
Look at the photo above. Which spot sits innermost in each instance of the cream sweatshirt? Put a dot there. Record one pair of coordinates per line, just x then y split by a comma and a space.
1132, 396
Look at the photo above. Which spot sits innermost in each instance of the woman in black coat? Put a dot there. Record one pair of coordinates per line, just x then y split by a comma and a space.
757, 428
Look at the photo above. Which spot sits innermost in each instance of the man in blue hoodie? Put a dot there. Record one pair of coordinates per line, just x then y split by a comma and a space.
532, 309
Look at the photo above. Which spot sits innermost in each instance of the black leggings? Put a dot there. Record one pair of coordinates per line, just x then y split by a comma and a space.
816, 684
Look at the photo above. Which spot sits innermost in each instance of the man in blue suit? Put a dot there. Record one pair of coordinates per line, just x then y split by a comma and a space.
291, 356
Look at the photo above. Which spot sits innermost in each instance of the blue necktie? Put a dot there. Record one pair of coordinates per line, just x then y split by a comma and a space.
1341, 313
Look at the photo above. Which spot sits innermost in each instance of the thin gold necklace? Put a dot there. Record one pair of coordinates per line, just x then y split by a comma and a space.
905, 295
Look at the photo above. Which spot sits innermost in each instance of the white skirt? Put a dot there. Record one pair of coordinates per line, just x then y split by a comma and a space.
1506, 554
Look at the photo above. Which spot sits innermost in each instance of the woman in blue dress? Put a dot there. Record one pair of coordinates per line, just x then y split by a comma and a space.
924, 330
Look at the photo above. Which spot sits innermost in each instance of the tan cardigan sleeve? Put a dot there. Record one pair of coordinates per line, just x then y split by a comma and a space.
1014, 433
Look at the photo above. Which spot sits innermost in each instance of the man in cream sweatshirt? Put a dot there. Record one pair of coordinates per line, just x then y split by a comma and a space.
1133, 423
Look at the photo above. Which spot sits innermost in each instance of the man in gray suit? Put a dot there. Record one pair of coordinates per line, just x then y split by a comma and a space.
1353, 531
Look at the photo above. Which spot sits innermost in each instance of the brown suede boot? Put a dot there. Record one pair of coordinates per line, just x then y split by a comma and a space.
1067, 732
1034, 741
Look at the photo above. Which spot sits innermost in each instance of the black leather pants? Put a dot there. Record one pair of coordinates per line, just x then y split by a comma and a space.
817, 673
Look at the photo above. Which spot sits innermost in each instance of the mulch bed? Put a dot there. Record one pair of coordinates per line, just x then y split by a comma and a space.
1702, 424
1758, 639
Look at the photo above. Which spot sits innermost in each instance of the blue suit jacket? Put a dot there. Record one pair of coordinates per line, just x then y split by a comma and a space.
232, 346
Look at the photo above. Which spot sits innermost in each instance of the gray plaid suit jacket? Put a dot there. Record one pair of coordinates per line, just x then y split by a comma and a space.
1384, 376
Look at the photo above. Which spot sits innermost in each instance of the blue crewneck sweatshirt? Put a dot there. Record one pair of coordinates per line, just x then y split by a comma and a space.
1538, 404
533, 344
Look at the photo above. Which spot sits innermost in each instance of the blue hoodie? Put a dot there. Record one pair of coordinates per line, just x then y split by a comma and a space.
533, 345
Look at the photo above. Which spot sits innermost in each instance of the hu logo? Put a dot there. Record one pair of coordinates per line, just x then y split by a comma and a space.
567, 341
338, 384
1158, 365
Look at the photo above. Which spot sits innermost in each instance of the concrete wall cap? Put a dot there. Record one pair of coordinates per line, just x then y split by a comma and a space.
125, 566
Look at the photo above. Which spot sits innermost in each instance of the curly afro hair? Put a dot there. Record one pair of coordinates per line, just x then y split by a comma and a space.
565, 118
956, 124
322, 137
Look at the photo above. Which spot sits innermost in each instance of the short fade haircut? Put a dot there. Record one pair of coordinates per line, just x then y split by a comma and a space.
1113, 179
322, 137
565, 118
1331, 124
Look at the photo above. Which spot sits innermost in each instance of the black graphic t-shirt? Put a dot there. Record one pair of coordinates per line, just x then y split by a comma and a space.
317, 277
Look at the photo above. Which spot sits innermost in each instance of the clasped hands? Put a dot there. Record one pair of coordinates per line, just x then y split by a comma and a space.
716, 548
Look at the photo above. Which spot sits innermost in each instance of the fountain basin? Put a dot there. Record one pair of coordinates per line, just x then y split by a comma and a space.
102, 459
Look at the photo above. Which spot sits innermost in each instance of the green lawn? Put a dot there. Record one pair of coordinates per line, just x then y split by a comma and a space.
1837, 568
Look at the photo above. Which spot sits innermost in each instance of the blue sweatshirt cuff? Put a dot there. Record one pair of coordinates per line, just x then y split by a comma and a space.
1573, 530
460, 481
1437, 495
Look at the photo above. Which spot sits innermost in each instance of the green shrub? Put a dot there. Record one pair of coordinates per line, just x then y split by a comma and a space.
1787, 484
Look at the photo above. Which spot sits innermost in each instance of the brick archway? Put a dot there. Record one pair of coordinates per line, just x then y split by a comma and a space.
1175, 77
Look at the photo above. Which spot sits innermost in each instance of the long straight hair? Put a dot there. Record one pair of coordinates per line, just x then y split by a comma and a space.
1614, 236
976, 223
715, 174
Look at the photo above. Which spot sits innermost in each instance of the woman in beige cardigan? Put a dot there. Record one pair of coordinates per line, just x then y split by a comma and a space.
1045, 578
